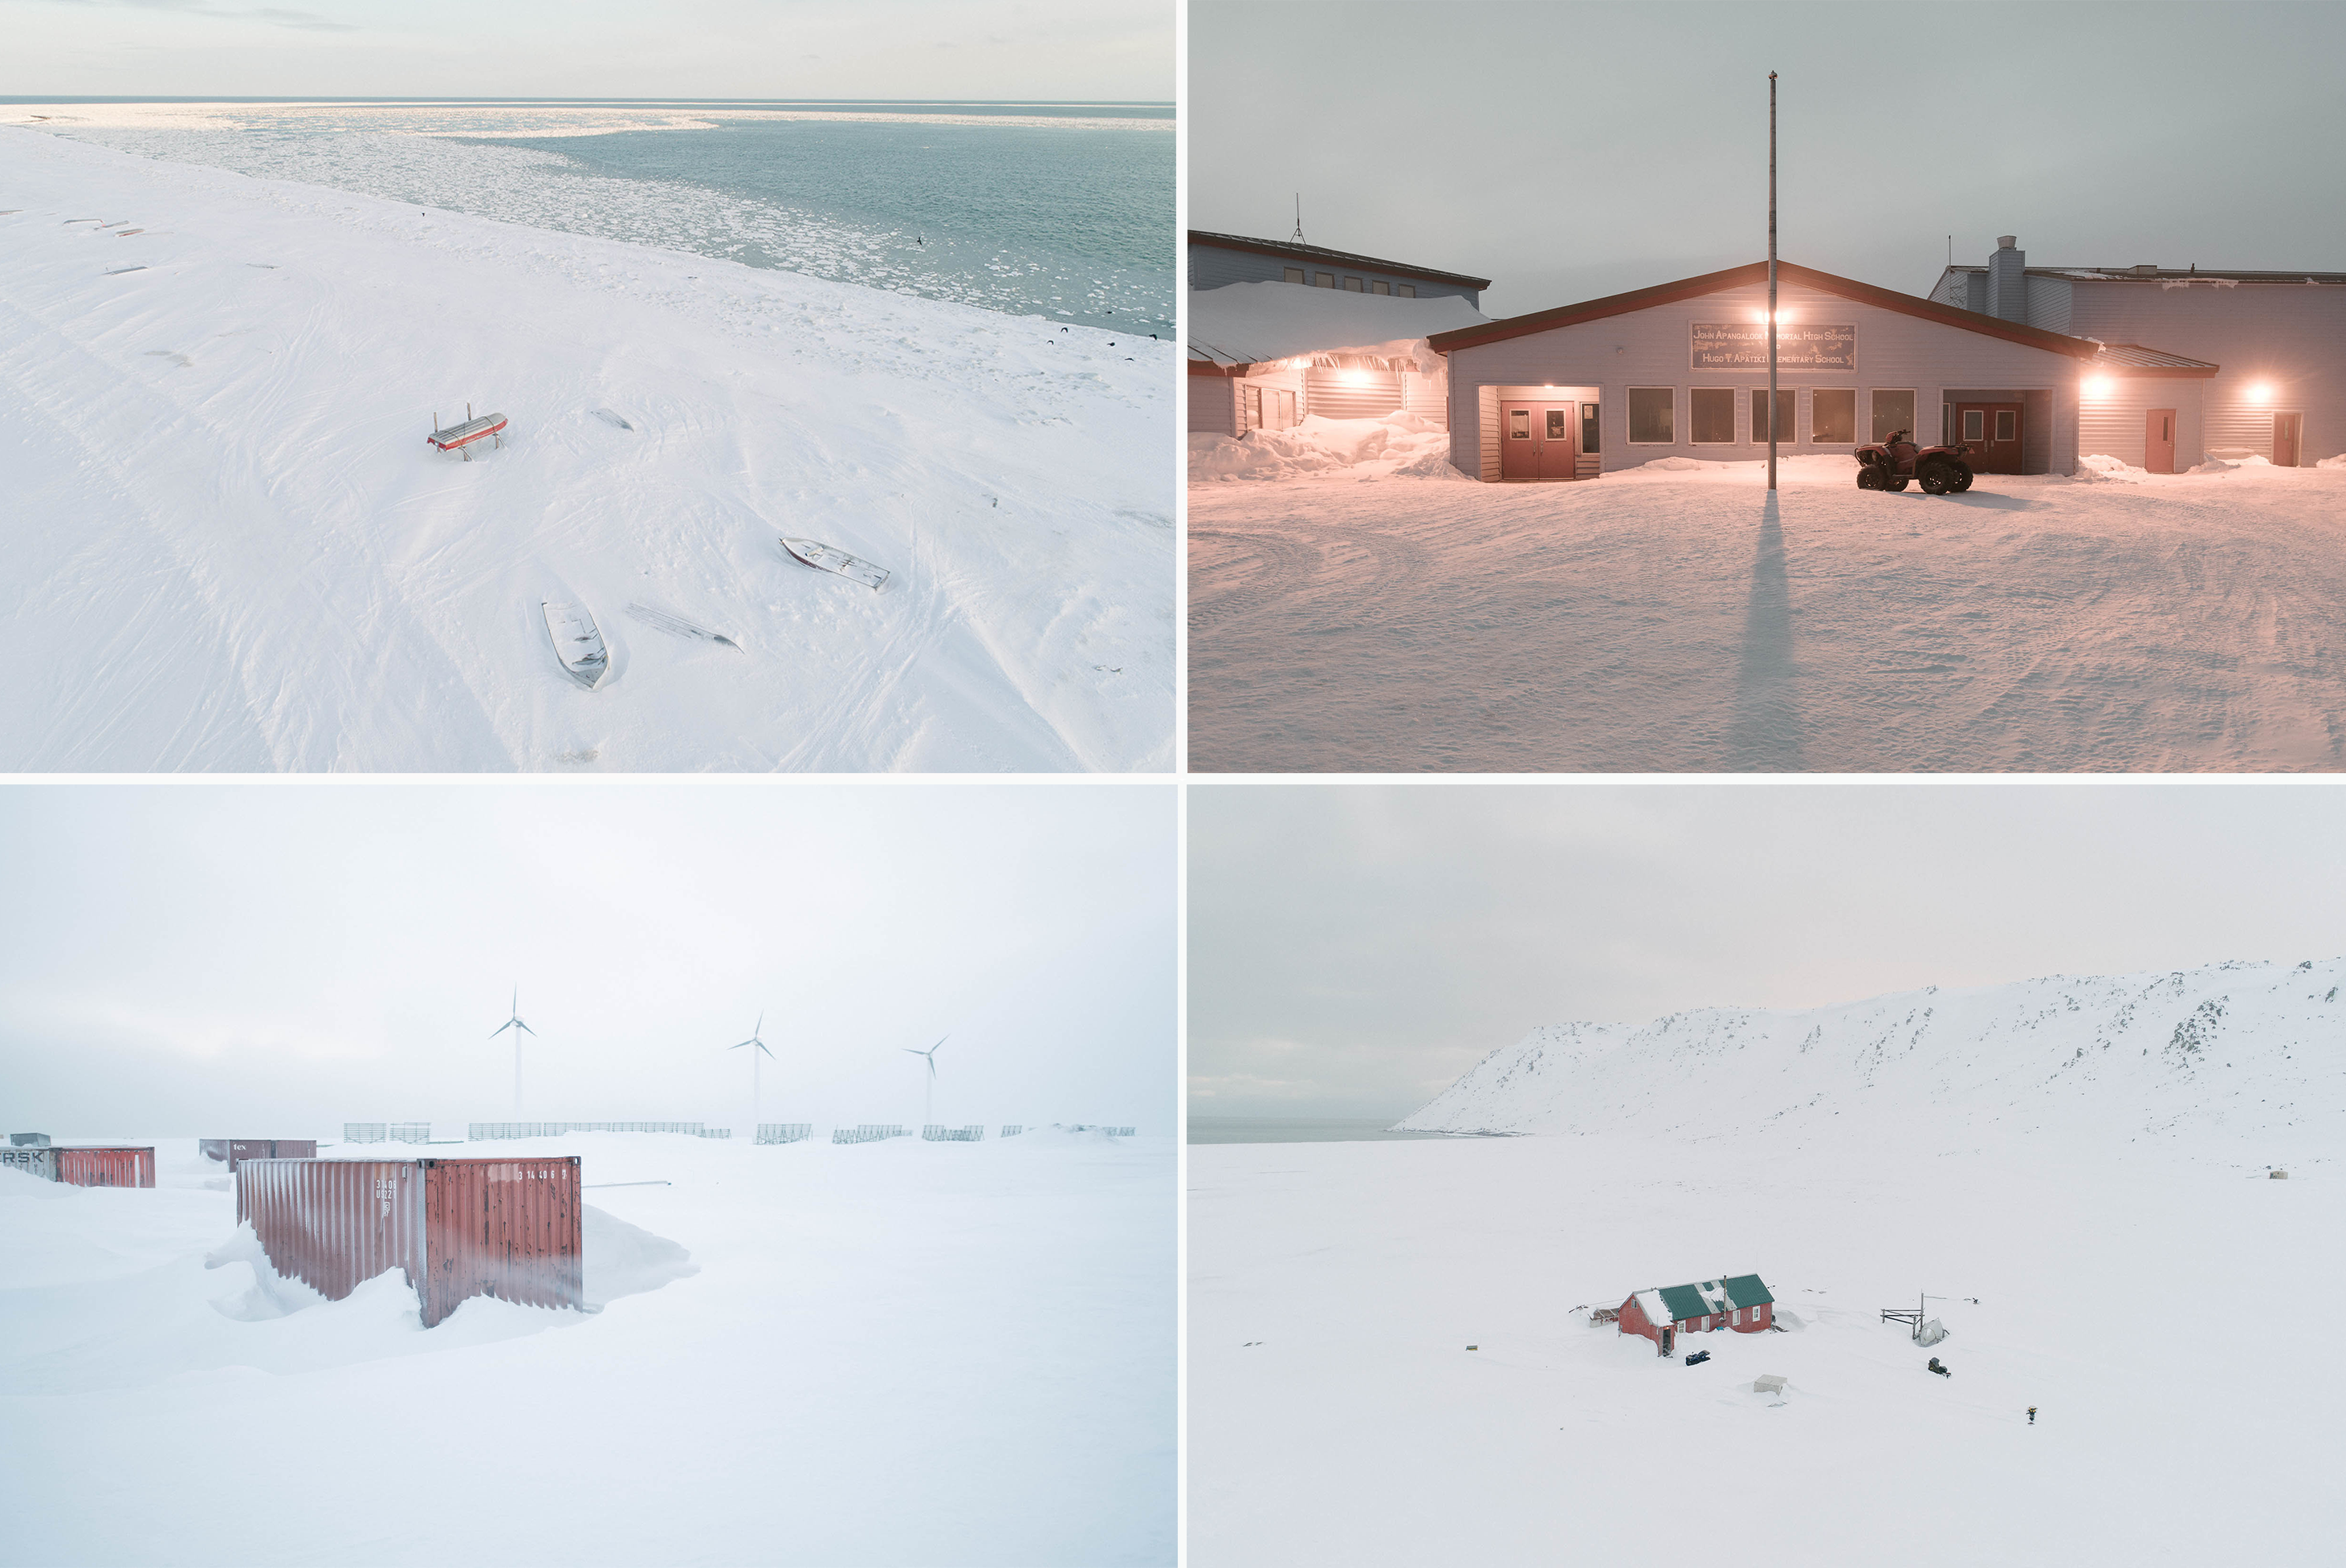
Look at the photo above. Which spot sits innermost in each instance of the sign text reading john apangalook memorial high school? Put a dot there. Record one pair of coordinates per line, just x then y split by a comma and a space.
1743, 346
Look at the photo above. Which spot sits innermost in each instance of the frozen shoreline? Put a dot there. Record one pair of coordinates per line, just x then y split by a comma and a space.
238, 553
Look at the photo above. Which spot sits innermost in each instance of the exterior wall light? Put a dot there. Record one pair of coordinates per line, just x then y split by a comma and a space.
2098, 386
2260, 392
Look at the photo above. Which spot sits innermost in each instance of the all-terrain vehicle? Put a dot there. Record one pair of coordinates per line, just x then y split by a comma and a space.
1888, 464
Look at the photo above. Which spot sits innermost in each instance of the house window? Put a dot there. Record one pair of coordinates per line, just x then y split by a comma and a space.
1711, 413
1892, 411
1588, 428
1409, 291
1974, 424
1739, 1316
1760, 415
1323, 280
1652, 411
2004, 419
1380, 287
1295, 275
1832, 415
1352, 286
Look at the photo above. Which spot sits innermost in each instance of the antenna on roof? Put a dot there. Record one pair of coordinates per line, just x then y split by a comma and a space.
1298, 237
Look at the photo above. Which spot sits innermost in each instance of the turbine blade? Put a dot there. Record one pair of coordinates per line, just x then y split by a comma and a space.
501, 1028
524, 1028
761, 1045
760, 1029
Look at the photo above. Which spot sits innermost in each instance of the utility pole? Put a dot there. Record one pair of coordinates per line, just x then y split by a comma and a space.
1771, 282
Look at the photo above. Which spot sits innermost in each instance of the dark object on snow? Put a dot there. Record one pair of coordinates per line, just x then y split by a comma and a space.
28, 1140
1890, 464
2032, 1415
1940, 1370
1698, 1358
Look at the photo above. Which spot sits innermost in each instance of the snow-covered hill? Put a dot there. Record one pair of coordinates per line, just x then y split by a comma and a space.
2240, 1056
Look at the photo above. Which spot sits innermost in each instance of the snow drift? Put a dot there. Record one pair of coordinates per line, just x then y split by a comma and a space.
2233, 1054
1397, 446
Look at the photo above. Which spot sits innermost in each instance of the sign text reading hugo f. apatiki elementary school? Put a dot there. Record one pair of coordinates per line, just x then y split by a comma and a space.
1743, 346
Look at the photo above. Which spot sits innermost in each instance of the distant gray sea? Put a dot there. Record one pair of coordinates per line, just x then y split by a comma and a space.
1300, 1130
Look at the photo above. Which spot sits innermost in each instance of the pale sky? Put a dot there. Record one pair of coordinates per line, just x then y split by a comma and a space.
1569, 152
260, 961
1114, 50
1354, 950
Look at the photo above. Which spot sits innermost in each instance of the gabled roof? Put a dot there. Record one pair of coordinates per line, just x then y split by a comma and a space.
1757, 272
1680, 1302
1322, 253
1240, 326
2134, 359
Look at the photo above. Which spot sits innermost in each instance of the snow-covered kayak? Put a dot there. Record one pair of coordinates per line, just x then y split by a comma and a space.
677, 626
576, 642
826, 558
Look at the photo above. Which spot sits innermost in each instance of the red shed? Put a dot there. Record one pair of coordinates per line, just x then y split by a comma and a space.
236, 1151
1739, 1302
458, 1229
105, 1166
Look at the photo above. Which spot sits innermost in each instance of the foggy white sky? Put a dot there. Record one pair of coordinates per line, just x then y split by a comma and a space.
1041, 49
1569, 152
1352, 951
244, 960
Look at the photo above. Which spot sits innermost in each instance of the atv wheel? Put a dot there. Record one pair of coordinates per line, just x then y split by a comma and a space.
1936, 478
1895, 485
1962, 480
1869, 477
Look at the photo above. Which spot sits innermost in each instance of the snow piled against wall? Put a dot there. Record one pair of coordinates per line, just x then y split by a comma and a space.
1398, 446
2230, 1052
1245, 323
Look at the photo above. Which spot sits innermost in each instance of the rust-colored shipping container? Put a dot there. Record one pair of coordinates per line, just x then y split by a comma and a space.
459, 1228
105, 1166
236, 1151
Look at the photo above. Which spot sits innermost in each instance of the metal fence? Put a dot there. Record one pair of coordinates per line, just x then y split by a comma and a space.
410, 1132
867, 1133
1111, 1132
1011, 1129
364, 1132
784, 1132
480, 1132
937, 1133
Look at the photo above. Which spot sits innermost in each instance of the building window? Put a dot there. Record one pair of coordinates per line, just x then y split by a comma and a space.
1295, 275
1652, 416
1832, 415
1588, 428
1974, 424
1760, 415
1380, 287
1352, 286
1409, 291
1710, 413
1519, 424
1323, 280
2004, 424
1892, 411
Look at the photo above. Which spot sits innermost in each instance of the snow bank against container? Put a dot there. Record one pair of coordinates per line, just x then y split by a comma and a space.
625, 1259
1398, 446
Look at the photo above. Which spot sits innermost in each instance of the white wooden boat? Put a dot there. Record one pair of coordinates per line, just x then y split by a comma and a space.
829, 558
578, 642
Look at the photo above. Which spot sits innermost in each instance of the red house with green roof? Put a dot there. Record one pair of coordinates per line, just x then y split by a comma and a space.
1740, 1302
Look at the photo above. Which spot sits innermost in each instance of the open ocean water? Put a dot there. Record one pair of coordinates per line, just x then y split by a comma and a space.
1059, 210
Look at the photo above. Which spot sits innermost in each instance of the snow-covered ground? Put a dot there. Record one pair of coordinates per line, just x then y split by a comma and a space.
899, 1353
2075, 1170
1373, 612
231, 548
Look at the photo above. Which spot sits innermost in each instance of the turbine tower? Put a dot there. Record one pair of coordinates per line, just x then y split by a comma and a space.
928, 1094
519, 1029
760, 1044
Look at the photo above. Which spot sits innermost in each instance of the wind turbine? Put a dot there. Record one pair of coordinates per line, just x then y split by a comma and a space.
930, 1055
520, 1028
760, 1044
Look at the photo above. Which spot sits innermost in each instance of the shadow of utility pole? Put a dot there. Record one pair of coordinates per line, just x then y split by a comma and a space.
1766, 736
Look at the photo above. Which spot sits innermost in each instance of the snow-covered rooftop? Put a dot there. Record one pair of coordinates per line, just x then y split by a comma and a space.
1251, 324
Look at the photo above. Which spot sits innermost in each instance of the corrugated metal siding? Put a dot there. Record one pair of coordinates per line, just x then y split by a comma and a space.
105, 1168
2289, 336
32, 1162
507, 1229
2116, 425
334, 1224
1428, 395
1651, 348
213, 1148
1353, 394
1213, 405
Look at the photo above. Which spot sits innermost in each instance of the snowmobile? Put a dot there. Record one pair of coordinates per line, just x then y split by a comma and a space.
1940, 1370
1888, 464
1698, 1358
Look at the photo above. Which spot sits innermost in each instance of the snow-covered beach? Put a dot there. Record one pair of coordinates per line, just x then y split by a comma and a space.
900, 1352
1356, 605
1392, 1358
233, 549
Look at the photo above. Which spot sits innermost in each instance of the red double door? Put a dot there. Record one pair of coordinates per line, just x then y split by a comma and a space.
1992, 430
1539, 440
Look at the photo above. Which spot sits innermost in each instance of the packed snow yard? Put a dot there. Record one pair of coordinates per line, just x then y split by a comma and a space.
234, 550
2099, 1247
890, 1353
1355, 604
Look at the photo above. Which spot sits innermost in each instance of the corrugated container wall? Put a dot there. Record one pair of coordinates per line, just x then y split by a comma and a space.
105, 1168
457, 1228
41, 1164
